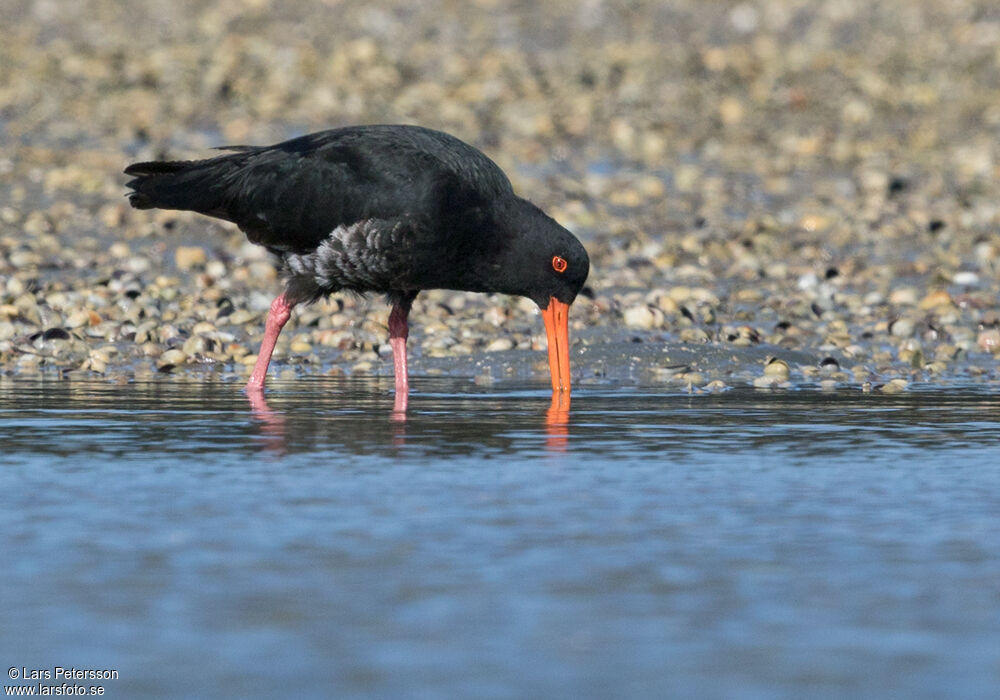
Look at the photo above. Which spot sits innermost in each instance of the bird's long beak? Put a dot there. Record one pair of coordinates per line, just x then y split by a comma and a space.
556, 317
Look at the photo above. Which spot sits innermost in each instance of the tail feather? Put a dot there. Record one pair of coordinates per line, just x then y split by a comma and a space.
188, 185
158, 167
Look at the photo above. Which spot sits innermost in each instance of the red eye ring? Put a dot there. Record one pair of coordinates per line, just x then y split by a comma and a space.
559, 264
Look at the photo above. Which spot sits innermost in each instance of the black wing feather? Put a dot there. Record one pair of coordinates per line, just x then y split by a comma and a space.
290, 196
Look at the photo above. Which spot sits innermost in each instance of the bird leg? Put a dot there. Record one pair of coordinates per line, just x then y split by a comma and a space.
277, 317
398, 332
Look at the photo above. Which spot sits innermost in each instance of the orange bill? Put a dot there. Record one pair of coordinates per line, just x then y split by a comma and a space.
556, 317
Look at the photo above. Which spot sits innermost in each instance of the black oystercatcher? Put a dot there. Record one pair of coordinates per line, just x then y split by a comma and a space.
387, 208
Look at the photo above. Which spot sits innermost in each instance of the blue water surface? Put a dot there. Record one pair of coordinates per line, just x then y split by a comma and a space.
647, 544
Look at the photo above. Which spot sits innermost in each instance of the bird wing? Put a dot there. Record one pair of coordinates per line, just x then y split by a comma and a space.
289, 197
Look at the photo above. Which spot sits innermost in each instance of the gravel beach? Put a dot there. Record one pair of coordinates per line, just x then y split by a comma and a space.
774, 193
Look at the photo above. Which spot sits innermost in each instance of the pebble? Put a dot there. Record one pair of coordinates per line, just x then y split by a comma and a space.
902, 327
692, 378
189, 257
80, 318
499, 345
776, 368
966, 279
694, 335
54, 334
170, 359
642, 317
936, 299
989, 341
198, 345
904, 296
894, 386
765, 382
911, 352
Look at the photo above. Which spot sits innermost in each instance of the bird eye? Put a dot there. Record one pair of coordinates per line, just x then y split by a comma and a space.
559, 264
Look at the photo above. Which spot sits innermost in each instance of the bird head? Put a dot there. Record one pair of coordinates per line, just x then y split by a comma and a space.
543, 261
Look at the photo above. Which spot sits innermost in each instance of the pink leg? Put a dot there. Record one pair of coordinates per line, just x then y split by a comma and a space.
277, 317
398, 332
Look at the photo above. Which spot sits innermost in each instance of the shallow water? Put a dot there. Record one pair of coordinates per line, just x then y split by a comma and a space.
647, 544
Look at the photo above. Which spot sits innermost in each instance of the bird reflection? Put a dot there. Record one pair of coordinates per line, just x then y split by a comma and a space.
557, 422
399, 404
274, 426
272, 423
